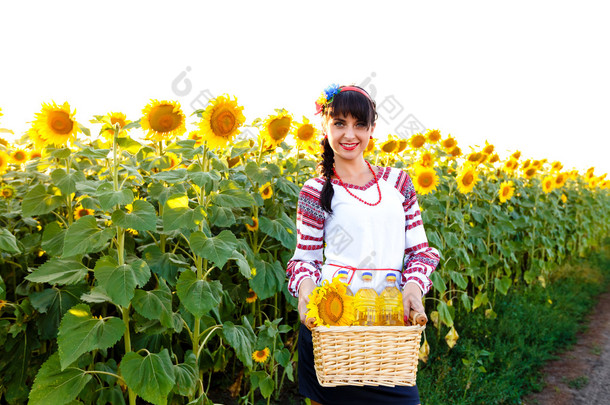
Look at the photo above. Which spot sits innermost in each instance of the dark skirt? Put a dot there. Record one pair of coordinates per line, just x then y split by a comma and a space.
349, 395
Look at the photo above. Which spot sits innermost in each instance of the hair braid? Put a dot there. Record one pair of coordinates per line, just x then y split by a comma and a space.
325, 167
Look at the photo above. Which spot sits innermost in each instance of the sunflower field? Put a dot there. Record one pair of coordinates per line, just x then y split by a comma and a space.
137, 260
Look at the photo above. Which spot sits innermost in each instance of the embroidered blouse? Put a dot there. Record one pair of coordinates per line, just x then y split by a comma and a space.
389, 236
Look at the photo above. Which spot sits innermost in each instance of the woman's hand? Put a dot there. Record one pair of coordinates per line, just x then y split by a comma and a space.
306, 287
411, 300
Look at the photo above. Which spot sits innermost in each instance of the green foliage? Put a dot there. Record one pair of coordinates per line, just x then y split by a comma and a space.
151, 376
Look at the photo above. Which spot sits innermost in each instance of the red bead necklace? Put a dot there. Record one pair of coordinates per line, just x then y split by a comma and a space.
355, 196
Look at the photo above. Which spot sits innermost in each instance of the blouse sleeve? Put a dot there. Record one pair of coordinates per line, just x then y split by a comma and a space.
420, 259
308, 258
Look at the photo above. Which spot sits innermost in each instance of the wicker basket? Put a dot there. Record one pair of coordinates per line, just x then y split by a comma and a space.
366, 355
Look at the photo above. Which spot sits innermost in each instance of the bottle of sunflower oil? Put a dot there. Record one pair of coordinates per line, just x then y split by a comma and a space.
391, 311
342, 274
365, 302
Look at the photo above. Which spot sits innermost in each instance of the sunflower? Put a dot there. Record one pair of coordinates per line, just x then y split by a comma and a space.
389, 146
433, 135
483, 158
593, 182
510, 165
35, 154
3, 161
556, 166
474, 157
426, 180
329, 304
261, 356
537, 164
196, 136
560, 180
466, 179
80, 212
516, 155
7, 192
56, 124
115, 118
417, 141
455, 152
370, 147
36, 137
530, 172
276, 127
251, 296
547, 184
254, 226
164, 120
449, 143
427, 159
19, 156
221, 120
564, 198
489, 149
506, 191
305, 133
266, 191
494, 158
402, 145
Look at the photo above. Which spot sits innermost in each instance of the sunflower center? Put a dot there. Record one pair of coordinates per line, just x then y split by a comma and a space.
418, 141
83, 212
505, 191
333, 307
60, 122
223, 123
449, 143
19, 155
425, 180
117, 120
278, 128
467, 179
7, 192
389, 146
305, 132
163, 119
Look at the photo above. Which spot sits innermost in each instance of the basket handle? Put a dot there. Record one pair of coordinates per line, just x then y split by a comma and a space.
418, 318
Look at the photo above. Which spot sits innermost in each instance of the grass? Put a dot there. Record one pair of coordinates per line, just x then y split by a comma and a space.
528, 331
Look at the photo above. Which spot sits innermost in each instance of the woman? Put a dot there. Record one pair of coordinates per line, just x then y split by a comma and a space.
368, 218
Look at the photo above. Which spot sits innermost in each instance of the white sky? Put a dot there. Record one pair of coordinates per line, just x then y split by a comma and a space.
533, 76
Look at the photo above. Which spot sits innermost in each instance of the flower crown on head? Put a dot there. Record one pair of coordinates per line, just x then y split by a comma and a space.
331, 91
327, 97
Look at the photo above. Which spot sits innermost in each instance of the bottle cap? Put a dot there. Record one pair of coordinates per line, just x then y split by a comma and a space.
342, 272
390, 277
367, 276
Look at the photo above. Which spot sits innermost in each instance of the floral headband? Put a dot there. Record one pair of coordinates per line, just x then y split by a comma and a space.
331, 91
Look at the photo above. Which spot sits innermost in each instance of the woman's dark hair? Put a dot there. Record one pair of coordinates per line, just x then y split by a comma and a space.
344, 103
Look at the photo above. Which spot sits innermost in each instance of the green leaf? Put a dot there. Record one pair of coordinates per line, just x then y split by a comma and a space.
53, 386
438, 282
458, 279
80, 332
479, 299
233, 198
2, 289
283, 356
502, 284
171, 176
202, 179
151, 377
266, 282
155, 304
242, 264
266, 386
178, 215
241, 339
444, 314
38, 202
84, 237
120, 282
53, 303
8, 243
222, 217
259, 176
218, 249
67, 182
59, 271
451, 239
109, 198
53, 239
282, 229
143, 217
187, 374
466, 301
198, 296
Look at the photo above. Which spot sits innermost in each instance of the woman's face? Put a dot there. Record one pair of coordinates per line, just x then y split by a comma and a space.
348, 136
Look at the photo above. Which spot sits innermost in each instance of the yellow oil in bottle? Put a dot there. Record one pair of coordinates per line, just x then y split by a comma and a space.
391, 311
365, 303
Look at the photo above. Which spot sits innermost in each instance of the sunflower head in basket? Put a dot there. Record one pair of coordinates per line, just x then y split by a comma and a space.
329, 304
